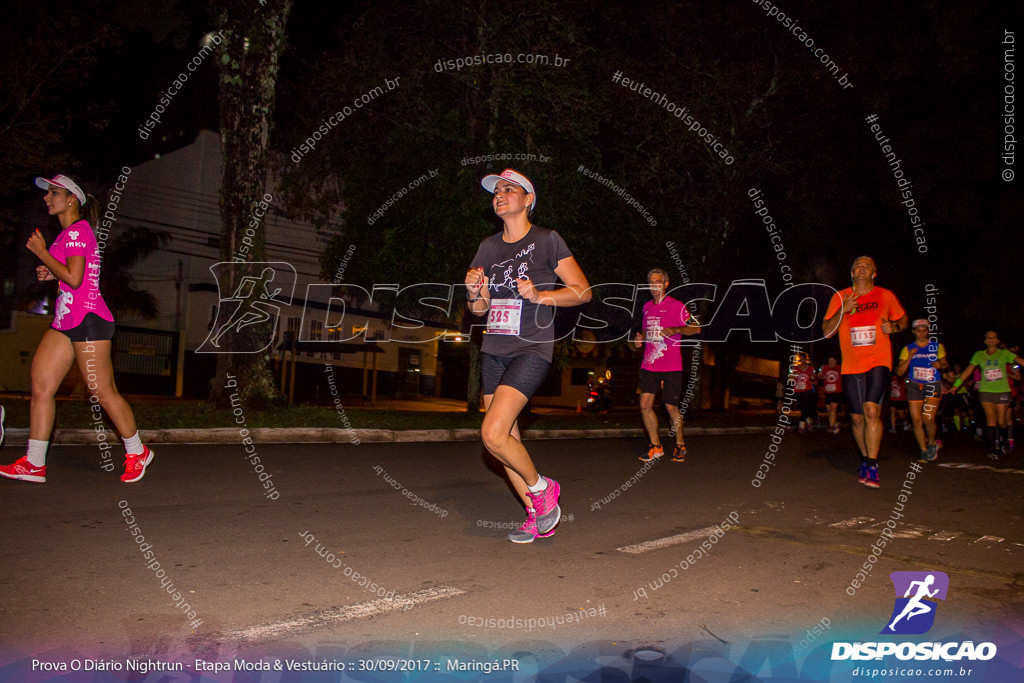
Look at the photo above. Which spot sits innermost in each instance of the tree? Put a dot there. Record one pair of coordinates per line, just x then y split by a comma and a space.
426, 125
45, 67
41, 87
253, 39
795, 130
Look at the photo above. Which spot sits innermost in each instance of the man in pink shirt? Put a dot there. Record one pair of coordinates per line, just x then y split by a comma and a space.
665, 320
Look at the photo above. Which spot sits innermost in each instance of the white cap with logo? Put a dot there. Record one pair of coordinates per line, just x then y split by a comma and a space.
64, 182
512, 176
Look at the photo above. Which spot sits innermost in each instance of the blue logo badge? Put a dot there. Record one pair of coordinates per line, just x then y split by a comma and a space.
916, 600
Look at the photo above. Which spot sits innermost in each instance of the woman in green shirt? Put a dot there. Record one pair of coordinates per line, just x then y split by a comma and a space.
993, 390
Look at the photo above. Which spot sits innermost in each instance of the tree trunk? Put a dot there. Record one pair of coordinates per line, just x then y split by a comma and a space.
721, 377
473, 386
253, 38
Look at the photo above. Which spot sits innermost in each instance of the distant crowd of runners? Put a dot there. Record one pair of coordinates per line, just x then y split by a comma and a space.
922, 386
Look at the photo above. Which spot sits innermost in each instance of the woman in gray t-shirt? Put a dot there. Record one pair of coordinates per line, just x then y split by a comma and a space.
513, 281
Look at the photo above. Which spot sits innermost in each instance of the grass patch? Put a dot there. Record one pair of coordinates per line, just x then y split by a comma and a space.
192, 414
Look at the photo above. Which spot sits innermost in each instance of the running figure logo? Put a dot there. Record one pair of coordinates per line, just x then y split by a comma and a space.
502, 273
252, 302
64, 301
914, 613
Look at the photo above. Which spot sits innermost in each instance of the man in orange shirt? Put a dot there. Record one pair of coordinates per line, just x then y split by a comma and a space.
865, 316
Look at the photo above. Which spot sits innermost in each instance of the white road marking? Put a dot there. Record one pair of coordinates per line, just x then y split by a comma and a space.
991, 539
968, 466
903, 530
337, 615
916, 530
852, 522
668, 540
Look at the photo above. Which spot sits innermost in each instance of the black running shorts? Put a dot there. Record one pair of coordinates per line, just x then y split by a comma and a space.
92, 328
670, 384
524, 373
866, 387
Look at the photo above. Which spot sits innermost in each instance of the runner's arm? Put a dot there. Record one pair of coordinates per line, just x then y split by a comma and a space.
846, 304
687, 329
478, 296
904, 363
830, 325
968, 371
71, 274
895, 325
576, 291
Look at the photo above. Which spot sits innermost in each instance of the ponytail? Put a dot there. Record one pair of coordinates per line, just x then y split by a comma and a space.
92, 211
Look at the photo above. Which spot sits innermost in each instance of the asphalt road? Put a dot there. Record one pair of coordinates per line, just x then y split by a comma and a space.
425, 523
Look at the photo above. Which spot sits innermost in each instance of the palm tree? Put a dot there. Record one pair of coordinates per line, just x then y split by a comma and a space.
120, 291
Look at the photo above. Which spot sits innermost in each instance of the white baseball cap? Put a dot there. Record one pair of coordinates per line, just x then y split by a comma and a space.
512, 176
64, 182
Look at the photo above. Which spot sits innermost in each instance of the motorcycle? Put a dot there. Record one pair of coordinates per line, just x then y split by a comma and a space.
599, 396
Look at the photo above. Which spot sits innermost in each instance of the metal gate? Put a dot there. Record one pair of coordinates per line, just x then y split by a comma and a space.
144, 360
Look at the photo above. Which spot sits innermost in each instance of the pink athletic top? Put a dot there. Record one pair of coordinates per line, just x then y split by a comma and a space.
74, 304
662, 354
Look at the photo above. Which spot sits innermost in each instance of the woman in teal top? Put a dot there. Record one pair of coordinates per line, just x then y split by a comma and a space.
993, 391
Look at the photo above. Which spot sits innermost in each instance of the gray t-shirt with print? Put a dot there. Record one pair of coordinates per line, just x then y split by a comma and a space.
516, 326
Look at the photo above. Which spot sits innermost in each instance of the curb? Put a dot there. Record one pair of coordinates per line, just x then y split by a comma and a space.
228, 435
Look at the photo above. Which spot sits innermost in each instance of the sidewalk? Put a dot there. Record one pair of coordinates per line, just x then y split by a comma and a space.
224, 435
732, 422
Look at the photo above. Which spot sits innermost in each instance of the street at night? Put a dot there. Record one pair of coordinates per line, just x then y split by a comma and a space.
320, 258
283, 577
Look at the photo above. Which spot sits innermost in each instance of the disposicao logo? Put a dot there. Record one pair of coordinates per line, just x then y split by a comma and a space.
913, 613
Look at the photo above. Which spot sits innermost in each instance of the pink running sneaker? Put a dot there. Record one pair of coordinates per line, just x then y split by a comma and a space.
545, 504
135, 465
24, 470
528, 531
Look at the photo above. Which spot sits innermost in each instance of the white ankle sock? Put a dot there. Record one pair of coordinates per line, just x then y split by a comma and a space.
36, 452
133, 444
541, 484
